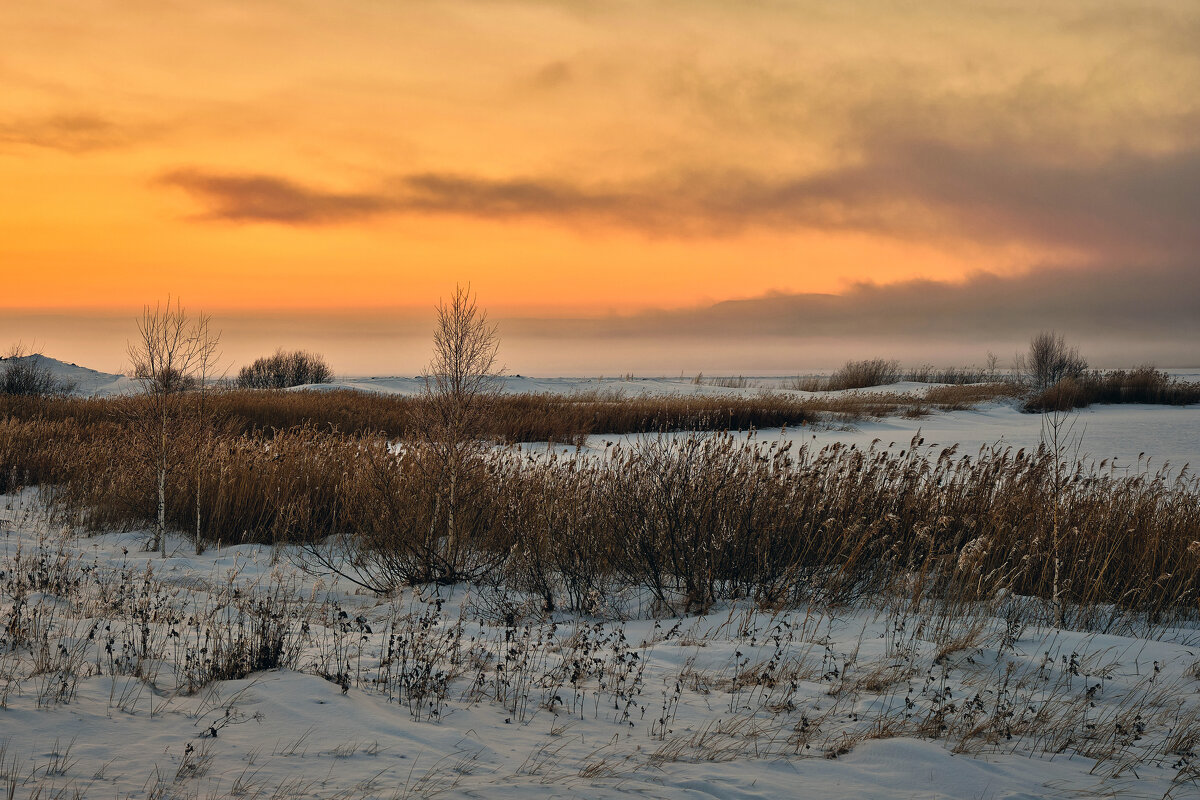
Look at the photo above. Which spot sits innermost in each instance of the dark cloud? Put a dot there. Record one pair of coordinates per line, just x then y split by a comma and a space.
433, 193
1110, 304
71, 133
265, 198
929, 189
1133, 206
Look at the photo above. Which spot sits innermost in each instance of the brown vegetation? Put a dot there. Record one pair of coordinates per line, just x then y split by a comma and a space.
880, 372
1140, 385
694, 517
514, 418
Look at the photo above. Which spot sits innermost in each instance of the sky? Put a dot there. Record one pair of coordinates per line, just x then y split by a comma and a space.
721, 185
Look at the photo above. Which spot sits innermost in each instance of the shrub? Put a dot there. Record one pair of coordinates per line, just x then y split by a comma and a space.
852, 375
1050, 360
28, 375
284, 369
861, 374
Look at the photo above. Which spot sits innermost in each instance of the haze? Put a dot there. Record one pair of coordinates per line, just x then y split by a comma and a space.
719, 186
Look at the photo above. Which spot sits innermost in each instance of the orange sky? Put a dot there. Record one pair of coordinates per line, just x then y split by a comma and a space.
577, 157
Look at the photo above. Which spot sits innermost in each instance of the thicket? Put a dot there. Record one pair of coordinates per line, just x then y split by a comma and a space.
285, 369
1049, 361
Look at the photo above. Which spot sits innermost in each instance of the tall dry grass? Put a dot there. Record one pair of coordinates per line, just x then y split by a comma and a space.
695, 518
871, 372
513, 418
1140, 385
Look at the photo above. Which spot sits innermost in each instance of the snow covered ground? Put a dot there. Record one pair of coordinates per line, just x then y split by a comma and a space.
86, 382
237, 673
1128, 438
121, 675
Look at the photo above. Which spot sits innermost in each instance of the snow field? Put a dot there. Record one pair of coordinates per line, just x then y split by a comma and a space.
236, 673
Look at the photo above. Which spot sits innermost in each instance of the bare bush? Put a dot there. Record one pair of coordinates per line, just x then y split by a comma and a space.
1049, 360
28, 375
284, 369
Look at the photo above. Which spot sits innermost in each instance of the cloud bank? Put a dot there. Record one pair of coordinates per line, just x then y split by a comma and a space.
1119, 317
1135, 206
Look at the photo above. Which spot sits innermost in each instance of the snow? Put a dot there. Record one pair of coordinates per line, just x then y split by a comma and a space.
846, 711
519, 384
1129, 438
853, 705
87, 382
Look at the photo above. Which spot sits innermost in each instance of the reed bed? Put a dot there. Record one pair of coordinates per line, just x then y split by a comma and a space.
1141, 385
880, 372
512, 417
696, 518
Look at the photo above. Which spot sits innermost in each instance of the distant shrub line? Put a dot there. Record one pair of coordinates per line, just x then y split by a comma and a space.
1056, 381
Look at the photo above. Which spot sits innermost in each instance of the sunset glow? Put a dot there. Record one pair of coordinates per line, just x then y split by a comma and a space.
582, 159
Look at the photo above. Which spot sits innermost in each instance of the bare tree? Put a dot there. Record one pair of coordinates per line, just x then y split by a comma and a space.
1049, 360
1059, 440
164, 360
423, 507
461, 384
993, 365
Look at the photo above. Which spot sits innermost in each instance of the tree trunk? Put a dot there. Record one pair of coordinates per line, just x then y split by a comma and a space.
162, 486
197, 542
451, 532
160, 533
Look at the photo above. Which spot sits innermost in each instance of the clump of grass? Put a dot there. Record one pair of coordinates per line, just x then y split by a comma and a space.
852, 375
867, 373
1140, 385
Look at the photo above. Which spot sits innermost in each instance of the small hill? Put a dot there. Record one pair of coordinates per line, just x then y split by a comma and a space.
87, 382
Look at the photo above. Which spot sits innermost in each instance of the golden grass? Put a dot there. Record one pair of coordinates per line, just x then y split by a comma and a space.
696, 518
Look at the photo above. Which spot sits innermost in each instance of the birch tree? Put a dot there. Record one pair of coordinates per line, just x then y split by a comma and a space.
164, 358
461, 383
